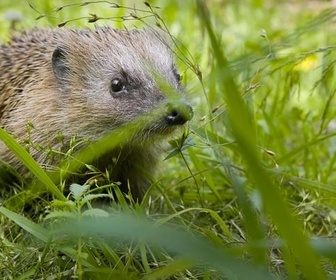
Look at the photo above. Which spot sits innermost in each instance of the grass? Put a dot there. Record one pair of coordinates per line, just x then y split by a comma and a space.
248, 193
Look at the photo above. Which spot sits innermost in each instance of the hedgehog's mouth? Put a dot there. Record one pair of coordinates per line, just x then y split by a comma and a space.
159, 128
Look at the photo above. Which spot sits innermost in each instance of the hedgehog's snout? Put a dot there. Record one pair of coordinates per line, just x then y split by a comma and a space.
179, 115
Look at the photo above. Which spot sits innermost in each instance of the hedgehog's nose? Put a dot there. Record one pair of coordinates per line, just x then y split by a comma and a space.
180, 116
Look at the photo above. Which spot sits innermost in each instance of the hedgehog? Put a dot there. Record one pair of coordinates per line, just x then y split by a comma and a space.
86, 84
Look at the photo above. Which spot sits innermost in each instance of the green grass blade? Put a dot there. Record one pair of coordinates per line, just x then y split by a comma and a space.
31, 164
31, 227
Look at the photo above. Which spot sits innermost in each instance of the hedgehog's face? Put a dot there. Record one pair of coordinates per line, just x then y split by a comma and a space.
128, 75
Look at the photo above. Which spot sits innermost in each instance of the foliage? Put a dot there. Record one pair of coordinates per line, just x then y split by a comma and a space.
246, 193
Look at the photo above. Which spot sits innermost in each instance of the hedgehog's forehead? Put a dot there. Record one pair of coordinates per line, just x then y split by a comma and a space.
140, 55
129, 51
136, 45
139, 41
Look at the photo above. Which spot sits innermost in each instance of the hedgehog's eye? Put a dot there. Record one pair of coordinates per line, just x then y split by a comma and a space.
117, 85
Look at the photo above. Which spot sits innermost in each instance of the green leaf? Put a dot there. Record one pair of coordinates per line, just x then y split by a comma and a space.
78, 191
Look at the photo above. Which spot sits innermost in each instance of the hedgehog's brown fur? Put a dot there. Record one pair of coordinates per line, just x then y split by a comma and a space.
60, 81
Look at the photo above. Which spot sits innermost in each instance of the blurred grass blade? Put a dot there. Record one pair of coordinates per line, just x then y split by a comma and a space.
212, 213
242, 129
119, 136
184, 243
30, 164
169, 270
254, 228
242, 126
40, 232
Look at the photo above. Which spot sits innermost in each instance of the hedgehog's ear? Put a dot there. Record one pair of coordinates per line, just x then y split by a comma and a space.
60, 64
